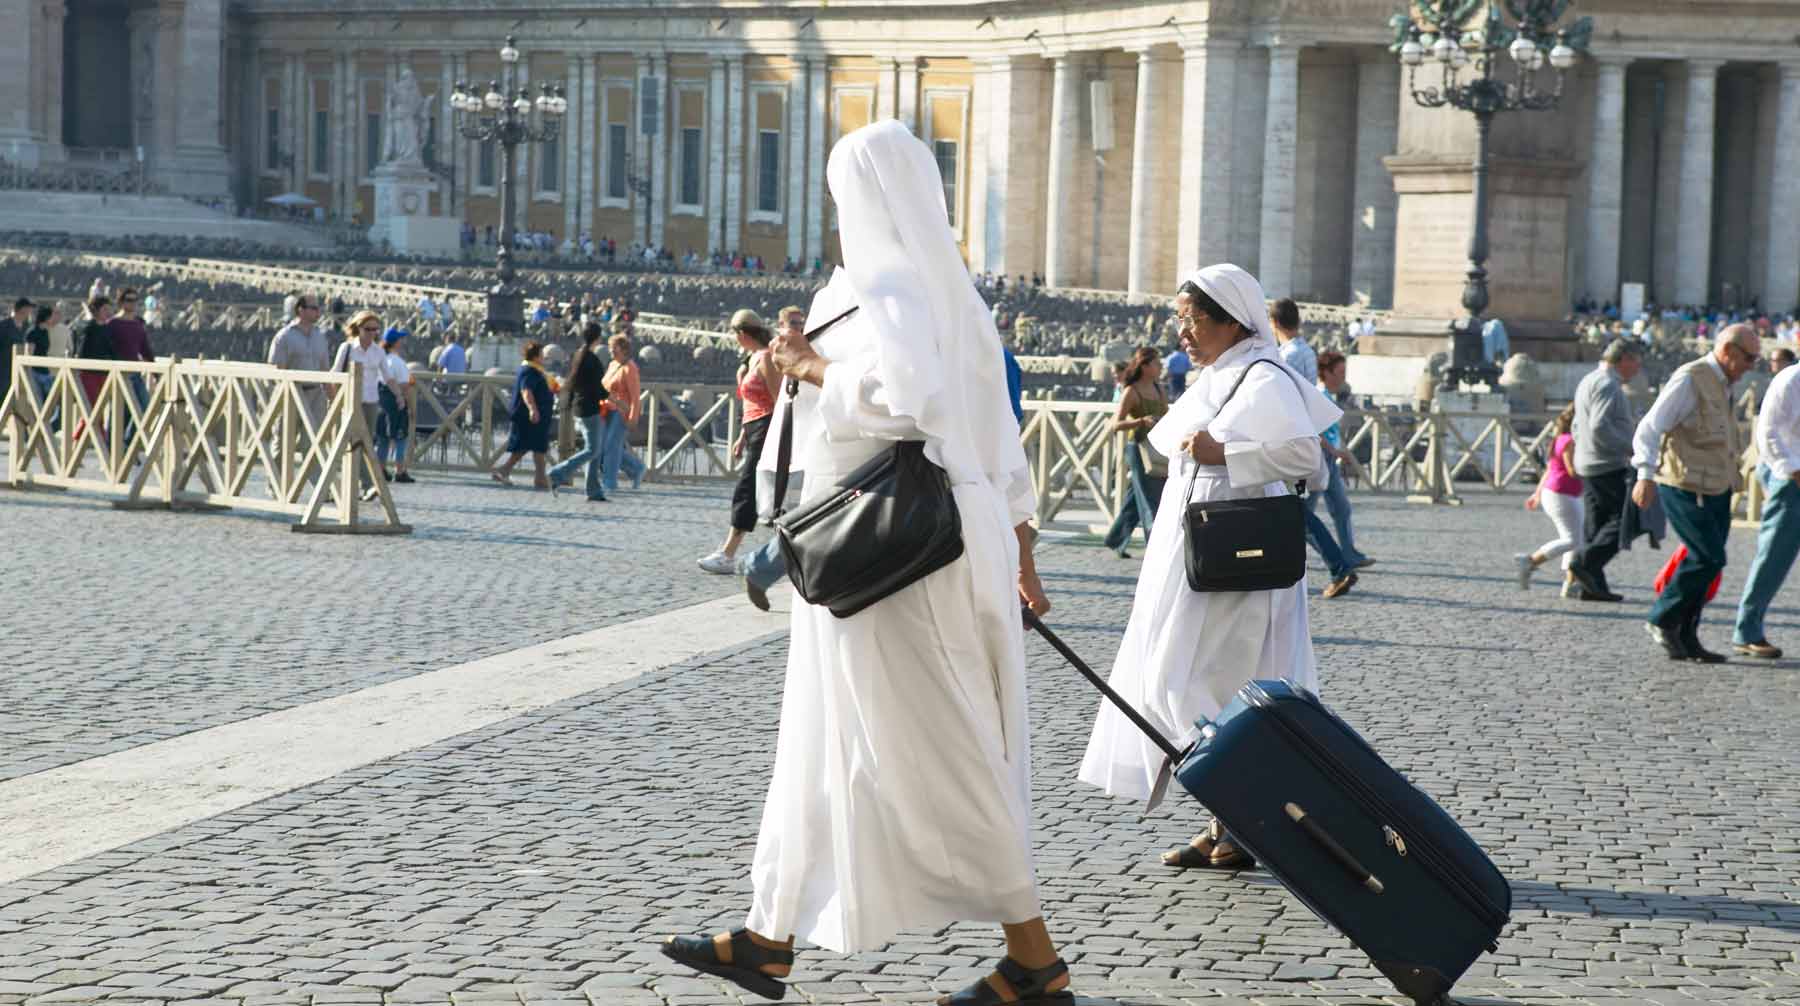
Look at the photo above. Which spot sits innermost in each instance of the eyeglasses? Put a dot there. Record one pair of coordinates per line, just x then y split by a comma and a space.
1749, 357
372, 329
799, 323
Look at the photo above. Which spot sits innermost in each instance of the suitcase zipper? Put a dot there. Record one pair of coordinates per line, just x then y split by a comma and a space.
1429, 857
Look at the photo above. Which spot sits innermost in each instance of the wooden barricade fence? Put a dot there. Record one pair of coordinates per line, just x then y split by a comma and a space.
183, 434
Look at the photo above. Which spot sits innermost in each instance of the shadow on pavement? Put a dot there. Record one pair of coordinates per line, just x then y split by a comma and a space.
1714, 908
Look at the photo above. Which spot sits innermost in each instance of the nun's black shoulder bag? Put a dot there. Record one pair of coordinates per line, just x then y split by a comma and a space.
887, 525
1245, 544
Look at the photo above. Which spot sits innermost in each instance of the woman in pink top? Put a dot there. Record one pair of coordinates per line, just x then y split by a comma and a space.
757, 381
1559, 496
622, 410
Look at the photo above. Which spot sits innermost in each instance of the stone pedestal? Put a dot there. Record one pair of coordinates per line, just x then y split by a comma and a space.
402, 213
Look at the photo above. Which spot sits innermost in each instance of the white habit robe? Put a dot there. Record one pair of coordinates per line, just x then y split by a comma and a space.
900, 797
1186, 653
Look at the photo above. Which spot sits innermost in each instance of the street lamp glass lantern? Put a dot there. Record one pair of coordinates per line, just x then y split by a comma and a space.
1459, 58
1537, 59
1412, 53
1521, 50
522, 106
494, 99
509, 53
1562, 57
1443, 48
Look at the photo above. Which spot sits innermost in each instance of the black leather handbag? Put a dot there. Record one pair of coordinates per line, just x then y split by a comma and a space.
888, 524
1245, 544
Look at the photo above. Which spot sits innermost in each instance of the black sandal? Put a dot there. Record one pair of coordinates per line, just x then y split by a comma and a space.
1030, 986
747, 958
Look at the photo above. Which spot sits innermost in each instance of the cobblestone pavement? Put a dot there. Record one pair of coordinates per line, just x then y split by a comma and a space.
180, 621
1648, 814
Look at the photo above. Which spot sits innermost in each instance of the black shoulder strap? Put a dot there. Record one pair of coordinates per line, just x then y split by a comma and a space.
784, 447
1299, 487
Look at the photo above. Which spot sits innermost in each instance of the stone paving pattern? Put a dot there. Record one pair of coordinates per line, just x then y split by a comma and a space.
1647, 813
178, 624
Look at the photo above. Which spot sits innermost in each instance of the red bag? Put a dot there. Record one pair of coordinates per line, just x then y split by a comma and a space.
1668, 573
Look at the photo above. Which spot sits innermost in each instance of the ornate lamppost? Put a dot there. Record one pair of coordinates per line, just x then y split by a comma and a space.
1470, 49
503, 115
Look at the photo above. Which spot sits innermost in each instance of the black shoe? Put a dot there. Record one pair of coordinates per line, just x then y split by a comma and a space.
1669, 640
385, 477
405, 478
598, 498
1606, 596
757, 595
1590, 584
747, 959
1690, 638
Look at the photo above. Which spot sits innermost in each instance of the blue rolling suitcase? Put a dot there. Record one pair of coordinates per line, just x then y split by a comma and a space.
1369, 853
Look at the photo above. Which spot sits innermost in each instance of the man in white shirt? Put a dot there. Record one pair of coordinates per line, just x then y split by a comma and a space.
1686, 453
1777, 440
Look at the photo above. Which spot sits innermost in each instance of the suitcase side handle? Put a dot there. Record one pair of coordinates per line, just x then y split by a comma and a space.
1318, 834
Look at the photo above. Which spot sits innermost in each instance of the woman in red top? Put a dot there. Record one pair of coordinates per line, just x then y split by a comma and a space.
757, 381
1558, 495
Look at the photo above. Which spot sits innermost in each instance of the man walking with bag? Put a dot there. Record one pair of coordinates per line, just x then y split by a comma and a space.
1603, 427
1686, 452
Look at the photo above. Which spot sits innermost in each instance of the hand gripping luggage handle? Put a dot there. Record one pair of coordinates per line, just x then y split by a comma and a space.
1318, 834
1033, 622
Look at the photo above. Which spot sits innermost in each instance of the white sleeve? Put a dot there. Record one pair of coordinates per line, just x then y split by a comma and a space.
1671, 407
1777, 426
853, 404
1021, 498
1251, 463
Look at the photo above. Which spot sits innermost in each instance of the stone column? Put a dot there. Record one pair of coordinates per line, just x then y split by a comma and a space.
908, 112
794, 124
1148, 175
1606, 180
569, 187
587, 116
1014, 210
886, 105
659, 150
17, 73
197, 133
293, 78
734, 153
1781, 287
1377, 137
640, 152
1204, 215
446, 144
51, 71
170, 86
818, 92
1693, 243
1279, 169
715, 172
1065, 139
343, 158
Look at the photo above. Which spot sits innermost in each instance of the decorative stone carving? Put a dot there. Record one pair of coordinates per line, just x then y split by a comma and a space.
1523, 384
408, 117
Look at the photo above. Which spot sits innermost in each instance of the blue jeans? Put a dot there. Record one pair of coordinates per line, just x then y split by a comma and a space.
615, 454
1337, 502
1143, 494
1320, 538
590, 454
1777, 543
390, 430
764, 567
1701, 522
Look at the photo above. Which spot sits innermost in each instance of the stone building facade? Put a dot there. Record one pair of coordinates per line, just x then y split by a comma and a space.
1278, 134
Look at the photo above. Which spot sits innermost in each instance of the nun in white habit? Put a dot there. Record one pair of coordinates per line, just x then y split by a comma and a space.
900, 798
1186, 653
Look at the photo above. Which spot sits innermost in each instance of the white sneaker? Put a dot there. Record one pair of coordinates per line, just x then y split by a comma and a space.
720, 563
1571, 587
1526, 568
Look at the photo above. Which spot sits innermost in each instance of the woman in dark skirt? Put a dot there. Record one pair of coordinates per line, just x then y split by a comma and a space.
533, 395
758, 380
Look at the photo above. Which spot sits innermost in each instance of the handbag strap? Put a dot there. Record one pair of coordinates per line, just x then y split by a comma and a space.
1299, 487
784, 447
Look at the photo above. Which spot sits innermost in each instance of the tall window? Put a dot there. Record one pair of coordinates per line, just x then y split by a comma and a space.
484, 165
371, 141
321, 141
615, 160
272, 139
690, 167
768, 171
946, 159
550, 166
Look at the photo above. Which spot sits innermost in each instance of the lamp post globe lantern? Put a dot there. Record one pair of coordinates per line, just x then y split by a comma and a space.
489, 117
1468, 39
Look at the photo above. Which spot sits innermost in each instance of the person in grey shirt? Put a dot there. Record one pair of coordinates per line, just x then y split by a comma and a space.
303, 345
1604, 424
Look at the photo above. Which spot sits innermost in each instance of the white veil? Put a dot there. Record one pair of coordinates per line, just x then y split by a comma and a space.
938, 354
1241, 296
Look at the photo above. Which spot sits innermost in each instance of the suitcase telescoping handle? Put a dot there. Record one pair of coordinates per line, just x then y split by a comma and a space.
1317, 833
1033, 622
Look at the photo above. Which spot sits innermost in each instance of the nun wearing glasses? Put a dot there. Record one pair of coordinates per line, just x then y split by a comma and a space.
1185, 653
900, 797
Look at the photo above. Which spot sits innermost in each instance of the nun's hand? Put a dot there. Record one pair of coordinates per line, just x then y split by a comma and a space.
1200, 446
796, 358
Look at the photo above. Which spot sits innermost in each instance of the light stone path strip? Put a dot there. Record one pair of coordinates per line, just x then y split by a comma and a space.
51, 818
